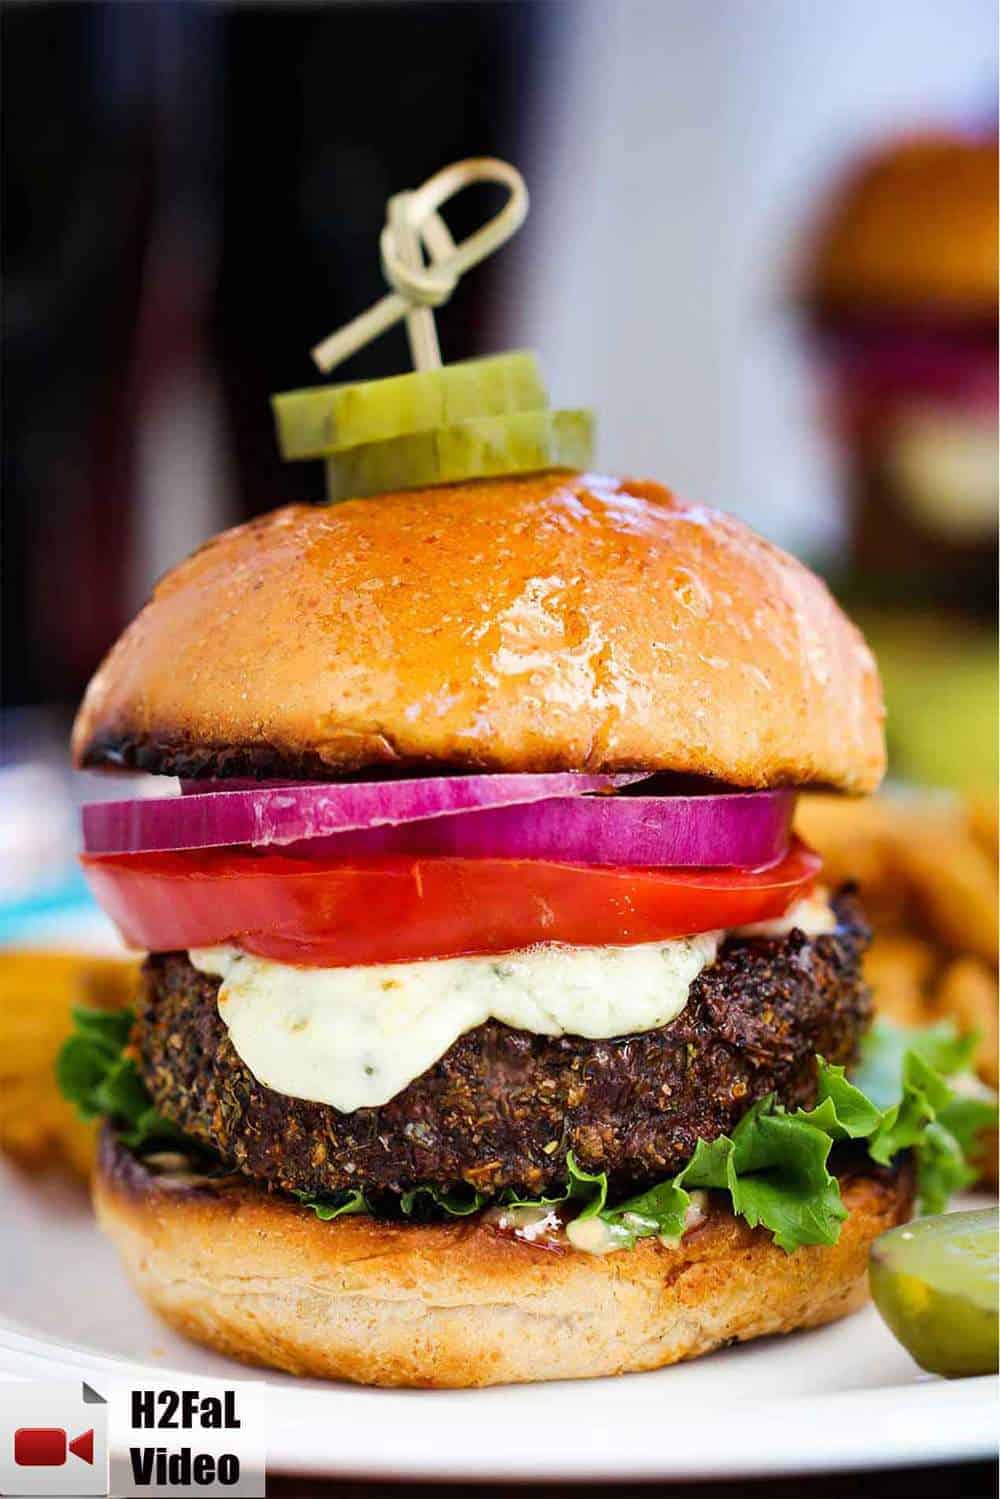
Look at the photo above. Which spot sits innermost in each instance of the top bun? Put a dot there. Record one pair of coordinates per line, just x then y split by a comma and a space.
552, 622
914, 228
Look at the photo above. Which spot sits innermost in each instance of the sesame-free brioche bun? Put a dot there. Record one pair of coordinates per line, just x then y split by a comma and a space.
913, 228
557, 621
459, 1304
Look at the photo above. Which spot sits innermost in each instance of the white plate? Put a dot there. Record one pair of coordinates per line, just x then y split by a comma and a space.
845, 1396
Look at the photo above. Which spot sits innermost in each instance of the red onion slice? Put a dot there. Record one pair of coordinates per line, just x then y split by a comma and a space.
299, 811
743, 829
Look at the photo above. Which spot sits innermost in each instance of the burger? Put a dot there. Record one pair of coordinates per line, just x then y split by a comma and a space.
495, 1026
899, 294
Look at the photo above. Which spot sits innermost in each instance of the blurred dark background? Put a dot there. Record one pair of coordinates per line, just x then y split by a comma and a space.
192, 196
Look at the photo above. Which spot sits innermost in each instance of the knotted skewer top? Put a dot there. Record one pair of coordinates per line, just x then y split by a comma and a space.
414, 227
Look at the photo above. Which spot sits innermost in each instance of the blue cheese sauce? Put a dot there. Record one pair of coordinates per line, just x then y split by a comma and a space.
355, 1037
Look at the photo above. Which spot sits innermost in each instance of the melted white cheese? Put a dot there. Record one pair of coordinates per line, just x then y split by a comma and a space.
355, 1037
812, 915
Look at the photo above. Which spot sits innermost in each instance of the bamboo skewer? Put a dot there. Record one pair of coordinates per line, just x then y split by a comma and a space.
414, 226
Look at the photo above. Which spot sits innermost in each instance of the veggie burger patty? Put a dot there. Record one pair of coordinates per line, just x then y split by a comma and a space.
502, 1107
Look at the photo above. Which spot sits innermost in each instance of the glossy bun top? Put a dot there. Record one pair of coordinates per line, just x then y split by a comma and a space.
556, 621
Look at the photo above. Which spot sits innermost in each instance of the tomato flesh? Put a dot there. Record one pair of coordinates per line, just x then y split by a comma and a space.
397, 909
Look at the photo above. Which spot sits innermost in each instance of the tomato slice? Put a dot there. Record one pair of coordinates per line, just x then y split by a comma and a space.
396, 909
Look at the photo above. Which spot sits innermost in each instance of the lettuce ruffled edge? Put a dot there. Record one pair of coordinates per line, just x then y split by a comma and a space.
774, 1166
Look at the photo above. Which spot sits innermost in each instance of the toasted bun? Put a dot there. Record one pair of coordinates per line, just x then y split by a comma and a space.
915, 227
460, 1305
546, 623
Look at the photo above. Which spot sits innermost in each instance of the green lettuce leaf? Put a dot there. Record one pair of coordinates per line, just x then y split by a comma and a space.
589, 1190
774, 1169
587, 1187
966, 1117
339, 1206
456, 1202
774, 1166
879, 1072
659, 1210
842, 1110
906, 1070
923, 1094
94, 1074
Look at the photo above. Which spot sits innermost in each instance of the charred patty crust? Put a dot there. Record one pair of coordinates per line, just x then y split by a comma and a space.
502, 1106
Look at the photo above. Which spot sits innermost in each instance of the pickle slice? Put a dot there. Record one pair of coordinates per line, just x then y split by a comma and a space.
520, 443
935, 1283
323, 419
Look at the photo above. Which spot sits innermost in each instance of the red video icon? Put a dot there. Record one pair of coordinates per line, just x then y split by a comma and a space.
46, 1446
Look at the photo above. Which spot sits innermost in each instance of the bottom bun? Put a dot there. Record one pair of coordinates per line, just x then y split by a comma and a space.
461, 1304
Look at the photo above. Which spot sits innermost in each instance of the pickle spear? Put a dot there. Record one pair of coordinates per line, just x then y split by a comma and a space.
935, 1283
485, 447
322, 419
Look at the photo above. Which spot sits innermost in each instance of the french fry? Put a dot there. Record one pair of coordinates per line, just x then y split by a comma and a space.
859, 844
899, 969
38, 990
982, 821
968, 995
953, 883
39, 1128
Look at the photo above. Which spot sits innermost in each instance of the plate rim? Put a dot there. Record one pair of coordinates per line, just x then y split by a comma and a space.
929, 1421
